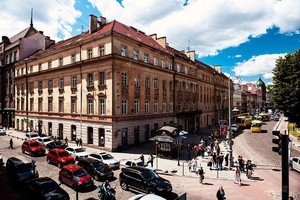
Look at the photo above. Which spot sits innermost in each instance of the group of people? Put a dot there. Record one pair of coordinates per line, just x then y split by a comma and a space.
246, 168
150, 159
79, 142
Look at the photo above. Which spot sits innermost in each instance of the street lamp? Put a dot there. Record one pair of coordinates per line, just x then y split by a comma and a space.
156, 146
27, 120
229, 120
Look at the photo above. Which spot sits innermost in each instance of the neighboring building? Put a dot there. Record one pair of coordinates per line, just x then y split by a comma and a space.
12, 50
261, 85
252, 98
113, 86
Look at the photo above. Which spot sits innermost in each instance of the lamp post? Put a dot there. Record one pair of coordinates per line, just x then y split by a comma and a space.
156, 146
27, 120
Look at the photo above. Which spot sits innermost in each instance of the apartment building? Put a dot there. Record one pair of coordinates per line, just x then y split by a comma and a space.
114, 86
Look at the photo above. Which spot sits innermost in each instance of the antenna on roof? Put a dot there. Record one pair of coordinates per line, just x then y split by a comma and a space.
31, 24
188, 48
81, 28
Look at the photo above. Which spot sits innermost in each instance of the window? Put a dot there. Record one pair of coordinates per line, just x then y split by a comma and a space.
146, 58
136, 106
60, 62
101, 78
178, 68
170, 66
90, 81
50, 85
123, 51
31, 87
11, 57
124, 107
187, 89
15, 56
147, 106
90, 106
61, 104
40, 67
147, 82
155, 106
90, 53
155, 61
74, 82
186, 106
40, 86
179, 106
31, 104
137, 81
73, 105
101, 50
73, 58
164, 85
40, 105
49, 65
7, 59
135, 55
163, 65
22, 104
124, 78
50, 104
61, 83
155, 83
164, 107
18, 104
102, 106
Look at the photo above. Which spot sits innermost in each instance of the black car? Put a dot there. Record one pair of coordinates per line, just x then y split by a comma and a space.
19, 171
97, 169
46, 189
144, 180
56, 144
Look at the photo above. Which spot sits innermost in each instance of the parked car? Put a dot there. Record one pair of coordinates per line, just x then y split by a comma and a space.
97, 169
276, 117
295, 163
31, 136
144, 180
2, 131
75, 177
19, 171
129, 163
146, 197
44, 140
106, 158
59, 157
77, 152
32, 147
46, 188
56, 144
234, 127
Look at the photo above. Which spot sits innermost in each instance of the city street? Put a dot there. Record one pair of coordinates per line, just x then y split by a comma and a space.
266, 182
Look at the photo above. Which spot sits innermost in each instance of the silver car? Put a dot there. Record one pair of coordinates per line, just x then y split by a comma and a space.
295, 163
2, 131
106, 158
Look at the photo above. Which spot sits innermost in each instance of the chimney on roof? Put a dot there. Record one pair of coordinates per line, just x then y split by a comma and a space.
102, 21
93, 24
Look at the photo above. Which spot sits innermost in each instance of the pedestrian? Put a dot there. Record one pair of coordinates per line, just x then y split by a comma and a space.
80, 142
190, 165
214, 157
221, 159
142, 159
77, 142
11, 144
226, 159
150, 159
237, 176
194, 164
66, 141
200, 172
54, 138
220, 193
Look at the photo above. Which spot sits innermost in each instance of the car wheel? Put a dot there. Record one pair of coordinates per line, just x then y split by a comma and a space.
59, 165
124, 185
48, 161
97, 178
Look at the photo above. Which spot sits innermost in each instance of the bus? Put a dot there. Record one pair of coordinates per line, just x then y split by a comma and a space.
265, 117
244, 121
256, 126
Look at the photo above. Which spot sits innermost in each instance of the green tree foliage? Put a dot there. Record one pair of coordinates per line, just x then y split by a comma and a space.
286, 90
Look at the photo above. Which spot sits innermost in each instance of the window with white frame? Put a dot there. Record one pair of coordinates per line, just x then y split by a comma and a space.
101, 106
187, 89
40, 104
124, 78
164, 106
90, 106
135, 55
50, 85
60, 62
74, 82
22, 104
123, 51
101, 50
124, 107
155, 82
101, 78
60, 104
73, 58
50, 104
90, 53
155, 61
185, 70
40, 66
147, 106
61, 83
178, 68
137, 81
73, 105
90, 80
170, 66
40, 86
146, 58
136, 106
155, 106
31, 104
171, 85
147, 82
163, 64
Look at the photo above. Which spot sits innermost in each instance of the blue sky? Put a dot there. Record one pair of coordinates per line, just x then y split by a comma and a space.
244, 37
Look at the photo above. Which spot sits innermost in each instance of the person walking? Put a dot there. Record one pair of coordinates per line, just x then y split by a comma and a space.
194, 165
200, 172
150, 159
66, 141
77, 142
142, 159
11, 144
220, 193
237, 176
226, 159
189, 165
80, 142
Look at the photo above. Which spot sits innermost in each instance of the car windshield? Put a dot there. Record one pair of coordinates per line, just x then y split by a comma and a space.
106, 156
149, 175
140, 164
26, 167
34, 144
233, 125
63, 154
47, 139
79, 150
34, 135
79, 173
98, 165
48, 186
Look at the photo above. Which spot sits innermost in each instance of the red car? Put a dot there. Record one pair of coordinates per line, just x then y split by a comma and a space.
32, 147
75, 176
59, 157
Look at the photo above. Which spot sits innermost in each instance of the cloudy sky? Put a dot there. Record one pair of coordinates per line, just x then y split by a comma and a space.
243, 37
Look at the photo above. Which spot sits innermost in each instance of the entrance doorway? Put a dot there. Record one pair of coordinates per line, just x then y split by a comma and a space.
90, 135
50, 128
60, 131
136, 135
73, 132
124, 137
101, 139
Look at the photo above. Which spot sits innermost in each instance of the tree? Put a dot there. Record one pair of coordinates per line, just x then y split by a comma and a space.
286, 90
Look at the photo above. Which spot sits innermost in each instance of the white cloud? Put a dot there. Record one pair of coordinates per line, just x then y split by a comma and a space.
257, 65
238, 56
54, 18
